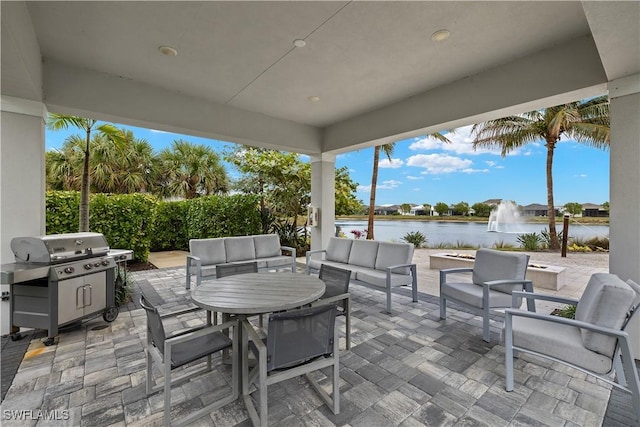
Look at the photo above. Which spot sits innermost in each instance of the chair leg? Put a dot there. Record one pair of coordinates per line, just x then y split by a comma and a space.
486, 329
347, 321
167, 386
508, 353
443, 306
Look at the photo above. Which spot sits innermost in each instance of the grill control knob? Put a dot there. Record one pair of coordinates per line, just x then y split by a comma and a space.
97, 264
69, 270
88, 266
105, 262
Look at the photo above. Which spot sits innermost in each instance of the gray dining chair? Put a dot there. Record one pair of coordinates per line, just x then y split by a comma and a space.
298, 342
224, 270
596, 342
494, 276
337, 281
170, 352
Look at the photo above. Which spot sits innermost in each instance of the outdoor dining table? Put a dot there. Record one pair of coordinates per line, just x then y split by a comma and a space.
249, 294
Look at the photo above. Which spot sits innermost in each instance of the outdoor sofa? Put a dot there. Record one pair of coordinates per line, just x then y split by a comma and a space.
379, 265
265, 249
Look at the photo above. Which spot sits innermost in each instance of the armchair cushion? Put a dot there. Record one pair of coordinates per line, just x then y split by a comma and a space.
394, 254
563, 342
605, 302
363, 253
338, 250
471, 294
495, 265
636, 288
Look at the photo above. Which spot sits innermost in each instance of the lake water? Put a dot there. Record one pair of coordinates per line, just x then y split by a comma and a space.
474, 233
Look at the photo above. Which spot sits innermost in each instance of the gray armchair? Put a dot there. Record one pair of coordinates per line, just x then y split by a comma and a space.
298, 342
182, 348
595, 342
337, 281
494, 276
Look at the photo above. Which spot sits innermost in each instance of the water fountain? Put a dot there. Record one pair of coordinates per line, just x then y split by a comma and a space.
505, 218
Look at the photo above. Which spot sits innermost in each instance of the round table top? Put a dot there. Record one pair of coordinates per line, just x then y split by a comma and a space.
257, 293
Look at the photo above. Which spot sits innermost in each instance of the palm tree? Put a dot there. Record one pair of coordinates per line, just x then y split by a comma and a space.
584, 121
387, 149
188, 170
57, 122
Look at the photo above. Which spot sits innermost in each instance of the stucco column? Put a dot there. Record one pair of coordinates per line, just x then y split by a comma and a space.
624, 229
323, 185
22, 174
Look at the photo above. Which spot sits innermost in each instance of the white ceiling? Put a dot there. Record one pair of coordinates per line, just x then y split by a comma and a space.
238, 76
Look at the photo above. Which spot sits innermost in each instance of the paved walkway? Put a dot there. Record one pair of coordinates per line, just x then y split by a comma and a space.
404, 369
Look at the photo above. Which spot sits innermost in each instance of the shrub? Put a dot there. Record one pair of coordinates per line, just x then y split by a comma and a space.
223, 216
170, 226
568, 311
62, 211
530, 241
500, 244
417, 238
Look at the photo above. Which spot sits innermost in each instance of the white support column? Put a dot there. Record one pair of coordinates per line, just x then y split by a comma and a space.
323, 185
22, 180
624, 229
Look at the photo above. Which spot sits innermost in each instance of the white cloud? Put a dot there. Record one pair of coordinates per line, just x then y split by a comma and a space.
461, 143
411, 177
471, 170
384, 185
582, 175
390, 164
439, 163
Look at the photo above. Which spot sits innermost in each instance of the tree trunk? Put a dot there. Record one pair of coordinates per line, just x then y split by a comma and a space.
554, 243
84, 189
372, 198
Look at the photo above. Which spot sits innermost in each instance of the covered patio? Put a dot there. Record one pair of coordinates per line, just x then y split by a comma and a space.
321, 79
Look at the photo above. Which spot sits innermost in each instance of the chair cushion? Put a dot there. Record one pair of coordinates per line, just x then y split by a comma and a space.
363, 253
239, 248
605, 302
561, 341
210, 251
394, 254
338, 250
471, 294
267, 245
497, 265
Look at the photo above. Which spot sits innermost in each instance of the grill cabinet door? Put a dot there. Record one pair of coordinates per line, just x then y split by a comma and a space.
70, 299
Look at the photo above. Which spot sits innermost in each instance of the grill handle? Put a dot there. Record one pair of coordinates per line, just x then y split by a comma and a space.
87, 288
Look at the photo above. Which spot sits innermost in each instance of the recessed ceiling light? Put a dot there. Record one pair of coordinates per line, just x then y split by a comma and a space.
299, 43
168, 50
314, 98
440, 35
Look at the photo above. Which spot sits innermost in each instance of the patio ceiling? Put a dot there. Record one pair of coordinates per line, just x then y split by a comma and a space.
377, 72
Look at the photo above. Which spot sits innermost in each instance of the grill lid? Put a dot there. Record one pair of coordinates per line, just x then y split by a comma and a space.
56, 248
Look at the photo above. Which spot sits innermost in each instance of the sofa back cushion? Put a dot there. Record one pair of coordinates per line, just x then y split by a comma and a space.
394, 254
338, 249
491, 265
363, 253
605, 302
210, 251
267, 245
239, 248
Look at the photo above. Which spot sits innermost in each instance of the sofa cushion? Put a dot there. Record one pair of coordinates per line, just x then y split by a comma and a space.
605, 302
497, 265
363, 253
561, 341
394, 254
379, 278
338, 249
210, 251
267, 245
239, 248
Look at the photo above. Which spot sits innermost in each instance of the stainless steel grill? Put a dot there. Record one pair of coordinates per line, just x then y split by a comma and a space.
60, 279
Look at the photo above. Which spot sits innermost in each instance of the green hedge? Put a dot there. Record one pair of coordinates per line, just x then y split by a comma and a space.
142, 223
170, 227
222, 216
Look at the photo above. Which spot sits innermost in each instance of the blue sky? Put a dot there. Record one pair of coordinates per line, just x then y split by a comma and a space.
423, 170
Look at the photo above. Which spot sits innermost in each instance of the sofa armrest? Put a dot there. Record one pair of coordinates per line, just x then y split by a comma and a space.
195, 263
314, 252
293, 256
413, 272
